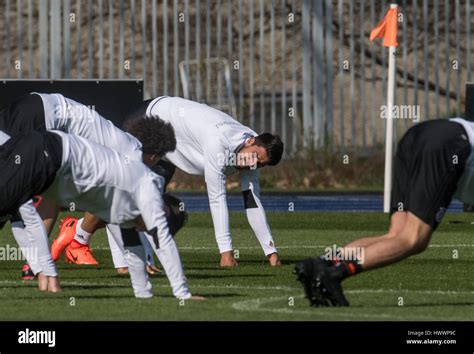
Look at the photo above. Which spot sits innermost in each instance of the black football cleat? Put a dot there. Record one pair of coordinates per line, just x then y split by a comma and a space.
27, 273
306, 271
321, 282
327, 279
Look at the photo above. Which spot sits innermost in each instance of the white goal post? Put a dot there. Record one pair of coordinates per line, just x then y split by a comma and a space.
208, 81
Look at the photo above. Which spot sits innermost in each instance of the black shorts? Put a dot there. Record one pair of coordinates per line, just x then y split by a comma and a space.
28, 165
429, 162
23, 115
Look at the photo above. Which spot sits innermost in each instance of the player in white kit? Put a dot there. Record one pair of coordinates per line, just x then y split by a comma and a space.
97, 179
54, 111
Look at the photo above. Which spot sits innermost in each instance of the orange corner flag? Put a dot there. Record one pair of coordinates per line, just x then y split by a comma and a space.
387, 29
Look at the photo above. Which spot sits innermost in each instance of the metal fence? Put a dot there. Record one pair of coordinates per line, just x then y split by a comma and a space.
304, 69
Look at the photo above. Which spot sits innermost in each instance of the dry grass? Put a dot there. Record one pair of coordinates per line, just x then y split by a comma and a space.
323, 171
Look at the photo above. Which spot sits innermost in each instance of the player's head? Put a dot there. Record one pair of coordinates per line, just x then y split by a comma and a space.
175, 214
263, 150
156, 136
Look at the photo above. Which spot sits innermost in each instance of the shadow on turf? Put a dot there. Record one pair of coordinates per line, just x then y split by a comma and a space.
407, 305
439, 305
92, 286
429, 261
209, 276
243, 261
252, 262
156, 296
66, 294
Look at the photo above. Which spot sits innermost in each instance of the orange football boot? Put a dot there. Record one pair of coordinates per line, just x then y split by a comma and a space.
67, 231
77, 253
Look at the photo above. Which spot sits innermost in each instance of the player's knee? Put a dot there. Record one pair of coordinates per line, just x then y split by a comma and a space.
421, 244
415, 242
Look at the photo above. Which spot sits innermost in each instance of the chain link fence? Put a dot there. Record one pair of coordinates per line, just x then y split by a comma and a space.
302, 68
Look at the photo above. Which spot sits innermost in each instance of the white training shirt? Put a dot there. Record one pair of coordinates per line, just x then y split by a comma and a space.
98, 179
206, 139
72, 117
64, 114
465, 188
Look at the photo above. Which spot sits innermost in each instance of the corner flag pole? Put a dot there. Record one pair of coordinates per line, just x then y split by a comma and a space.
387, 187
387, 29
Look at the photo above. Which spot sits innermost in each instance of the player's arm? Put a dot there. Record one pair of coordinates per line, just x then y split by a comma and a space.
152, 209
250, 187
216, 191
38, 239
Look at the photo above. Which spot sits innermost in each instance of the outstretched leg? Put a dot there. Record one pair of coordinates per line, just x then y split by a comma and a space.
397, 223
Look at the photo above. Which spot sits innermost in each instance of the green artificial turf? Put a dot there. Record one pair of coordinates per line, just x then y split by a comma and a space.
431, 286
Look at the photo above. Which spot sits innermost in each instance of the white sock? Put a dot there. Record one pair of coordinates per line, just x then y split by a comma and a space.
82, 236
135, 256
21, 237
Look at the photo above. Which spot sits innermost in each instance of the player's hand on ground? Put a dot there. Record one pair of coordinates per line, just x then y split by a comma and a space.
274, 259
153, 270
197, 298
228, 260
122, 270
53, 285
48, 283
42, 282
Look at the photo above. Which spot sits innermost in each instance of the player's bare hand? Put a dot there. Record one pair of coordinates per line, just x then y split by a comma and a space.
228, 260
274, 260
42, 282
153, 270
197, 298
53, 285
122, 270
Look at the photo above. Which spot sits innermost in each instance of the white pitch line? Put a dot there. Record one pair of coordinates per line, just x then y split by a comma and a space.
126, 283
254, 306
244, 287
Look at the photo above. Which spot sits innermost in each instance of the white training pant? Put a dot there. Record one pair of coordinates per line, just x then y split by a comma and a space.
136, 259
116, 247
38, 240
21, 237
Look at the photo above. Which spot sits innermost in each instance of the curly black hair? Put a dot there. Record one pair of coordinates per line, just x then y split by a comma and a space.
156, 136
